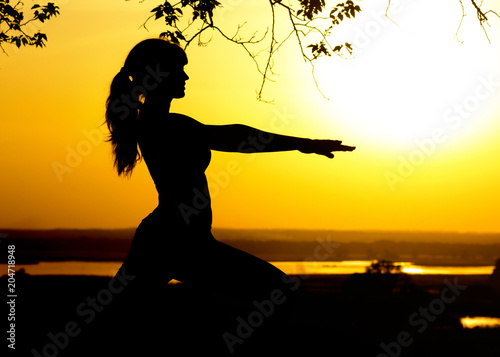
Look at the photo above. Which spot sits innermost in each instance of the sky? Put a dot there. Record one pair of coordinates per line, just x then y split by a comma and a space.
419, 100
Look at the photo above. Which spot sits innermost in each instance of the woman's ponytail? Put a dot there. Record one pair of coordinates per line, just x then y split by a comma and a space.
122, 110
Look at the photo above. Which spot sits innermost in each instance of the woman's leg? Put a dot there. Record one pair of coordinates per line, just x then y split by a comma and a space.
247, 297
257, 297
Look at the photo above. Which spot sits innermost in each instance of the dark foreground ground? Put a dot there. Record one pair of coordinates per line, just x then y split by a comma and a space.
361, 315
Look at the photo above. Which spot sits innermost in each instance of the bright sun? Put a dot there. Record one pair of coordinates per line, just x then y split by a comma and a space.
405, 81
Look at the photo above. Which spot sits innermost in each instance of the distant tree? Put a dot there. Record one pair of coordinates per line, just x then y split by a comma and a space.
381, 299
383, 267
20, 30
310, 22
382, 278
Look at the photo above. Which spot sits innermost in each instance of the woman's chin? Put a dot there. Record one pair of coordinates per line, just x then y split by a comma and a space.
180, 95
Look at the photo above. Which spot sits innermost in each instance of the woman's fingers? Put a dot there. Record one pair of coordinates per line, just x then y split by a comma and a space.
325, 147
335, 145
331, 146
345, 148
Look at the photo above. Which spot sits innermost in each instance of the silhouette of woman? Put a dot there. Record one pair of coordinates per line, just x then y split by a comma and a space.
175, 240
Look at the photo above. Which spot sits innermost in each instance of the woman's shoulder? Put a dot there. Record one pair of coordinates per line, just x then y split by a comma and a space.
174, 126
181, 119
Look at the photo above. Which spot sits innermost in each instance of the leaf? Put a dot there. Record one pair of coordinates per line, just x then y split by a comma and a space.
158, 15
51, 10
312, 7
314, 47
180, 35
349, 47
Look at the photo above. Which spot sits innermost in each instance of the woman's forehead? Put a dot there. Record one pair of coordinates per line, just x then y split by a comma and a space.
175, 56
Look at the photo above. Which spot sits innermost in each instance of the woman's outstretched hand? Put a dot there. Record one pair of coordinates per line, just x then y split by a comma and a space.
324, 147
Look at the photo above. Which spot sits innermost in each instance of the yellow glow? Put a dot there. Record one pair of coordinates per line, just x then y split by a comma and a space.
387, 100
412, 270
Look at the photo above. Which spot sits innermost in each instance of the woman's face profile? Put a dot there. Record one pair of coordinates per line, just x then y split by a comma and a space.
174, 84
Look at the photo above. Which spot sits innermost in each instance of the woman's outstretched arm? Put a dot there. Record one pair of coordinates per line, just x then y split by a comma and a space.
245, 139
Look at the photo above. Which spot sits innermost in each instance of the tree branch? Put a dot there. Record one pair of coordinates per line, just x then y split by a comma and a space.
307, 18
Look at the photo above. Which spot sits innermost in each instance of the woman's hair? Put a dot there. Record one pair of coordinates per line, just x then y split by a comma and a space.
145, 67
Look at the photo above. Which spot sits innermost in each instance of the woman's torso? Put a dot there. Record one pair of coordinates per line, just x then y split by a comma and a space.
176, 153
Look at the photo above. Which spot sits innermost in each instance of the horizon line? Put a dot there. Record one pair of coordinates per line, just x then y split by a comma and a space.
275, 229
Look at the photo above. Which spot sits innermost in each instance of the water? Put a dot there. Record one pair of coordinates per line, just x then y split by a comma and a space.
292, 268
109, 269
359, 266
480, 321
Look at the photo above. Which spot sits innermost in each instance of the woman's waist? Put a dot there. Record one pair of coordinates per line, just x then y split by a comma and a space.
194, 196
182, 215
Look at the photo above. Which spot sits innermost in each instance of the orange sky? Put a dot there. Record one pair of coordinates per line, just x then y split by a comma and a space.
422, 109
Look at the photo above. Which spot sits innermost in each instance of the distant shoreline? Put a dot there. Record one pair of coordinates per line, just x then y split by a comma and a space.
435, 249
62, 259
280, 234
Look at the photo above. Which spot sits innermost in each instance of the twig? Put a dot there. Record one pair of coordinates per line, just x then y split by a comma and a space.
481, 18
461, 20
271, 52
386, 13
